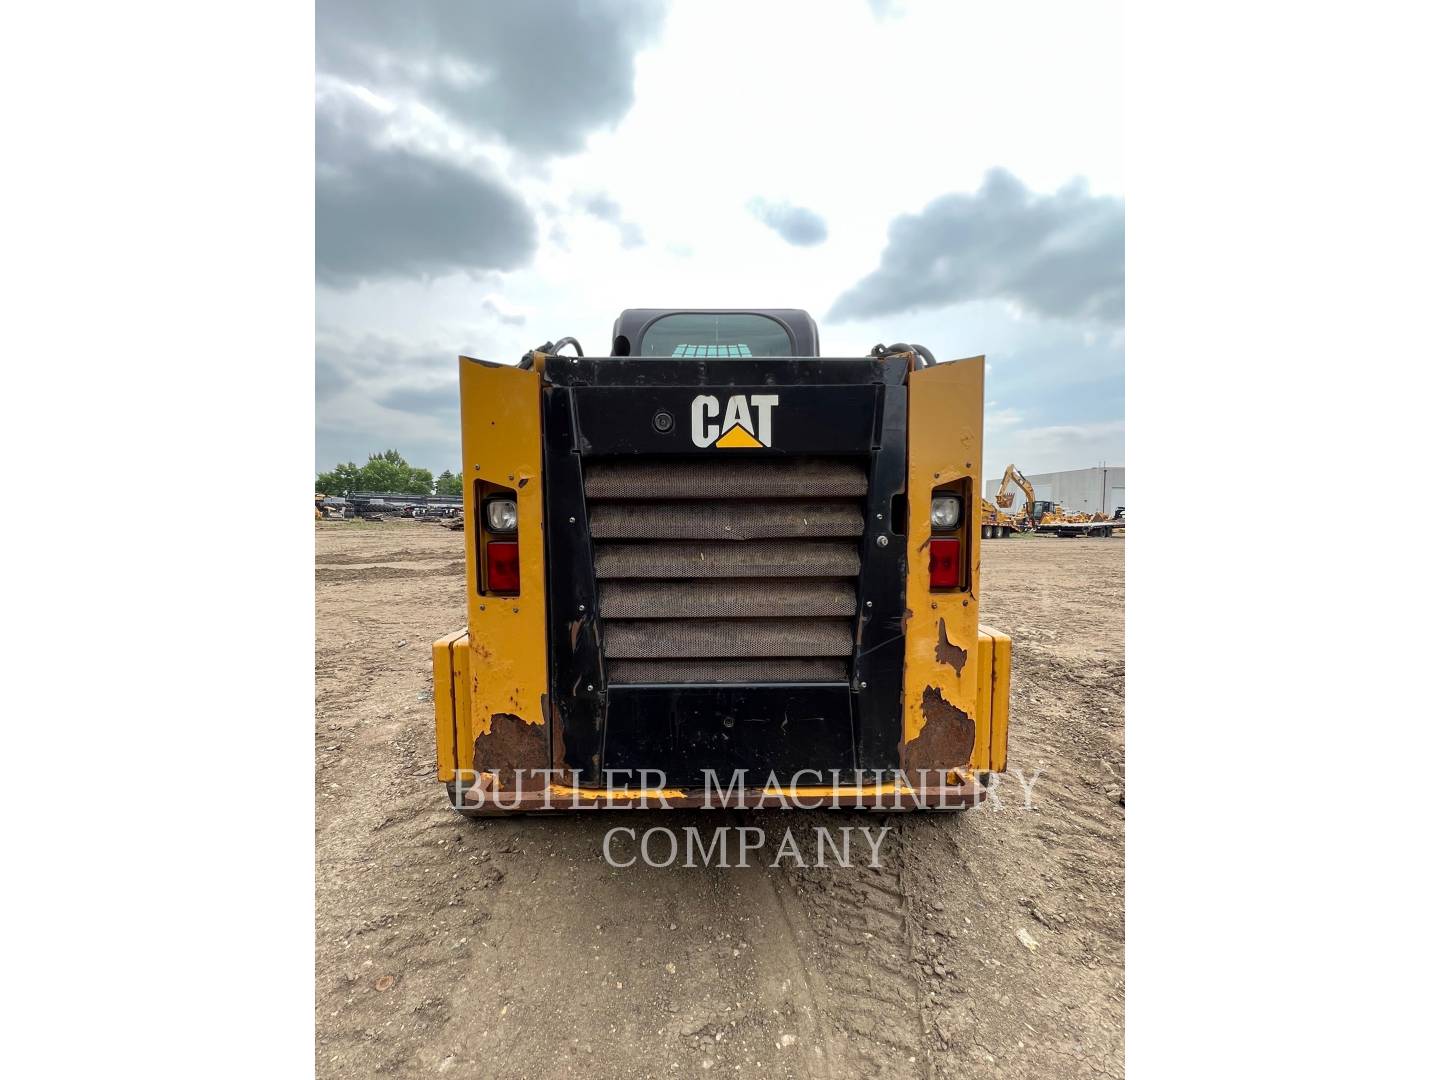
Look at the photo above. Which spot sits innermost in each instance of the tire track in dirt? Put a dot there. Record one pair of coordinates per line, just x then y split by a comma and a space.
863, 959
403, 555
686, 969
815, 990
337, 575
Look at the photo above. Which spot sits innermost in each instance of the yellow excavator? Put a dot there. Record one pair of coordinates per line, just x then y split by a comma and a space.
1045, 516
1004, 497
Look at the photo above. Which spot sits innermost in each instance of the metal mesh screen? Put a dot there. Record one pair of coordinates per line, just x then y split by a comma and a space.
717, 520
775, 669
727, 479
721, 559
735, 599
639, 639
727, 570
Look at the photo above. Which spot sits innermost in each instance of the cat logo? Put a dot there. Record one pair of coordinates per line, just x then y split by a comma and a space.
746, 421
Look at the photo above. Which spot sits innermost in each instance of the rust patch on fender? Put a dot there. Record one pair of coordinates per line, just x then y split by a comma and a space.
511, 747
946, 740
557, 733
947, 652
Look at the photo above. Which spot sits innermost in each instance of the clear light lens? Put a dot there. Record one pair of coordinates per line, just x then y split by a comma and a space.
500, 515
944, 512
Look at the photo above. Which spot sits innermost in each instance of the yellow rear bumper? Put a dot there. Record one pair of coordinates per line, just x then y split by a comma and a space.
454, 742
451, 659
993, 702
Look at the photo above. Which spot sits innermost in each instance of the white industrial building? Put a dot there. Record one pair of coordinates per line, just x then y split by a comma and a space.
1098, 490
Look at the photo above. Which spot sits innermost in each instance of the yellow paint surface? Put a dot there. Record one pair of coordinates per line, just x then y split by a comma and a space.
791, 791
651, 794
984, 696
500, 665
500, 444
999, 697
450, 657
946, 426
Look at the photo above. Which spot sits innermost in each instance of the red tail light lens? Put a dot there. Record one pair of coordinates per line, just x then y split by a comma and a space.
944, 563
502, 567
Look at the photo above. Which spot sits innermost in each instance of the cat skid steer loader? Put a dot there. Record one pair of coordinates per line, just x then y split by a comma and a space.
716, 569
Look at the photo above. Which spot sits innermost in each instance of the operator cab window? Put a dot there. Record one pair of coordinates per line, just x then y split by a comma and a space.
707, 336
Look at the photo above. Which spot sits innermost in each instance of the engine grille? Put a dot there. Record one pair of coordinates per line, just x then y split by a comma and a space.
739, 570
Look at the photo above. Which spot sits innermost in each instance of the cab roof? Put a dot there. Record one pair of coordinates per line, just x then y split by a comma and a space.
630, 327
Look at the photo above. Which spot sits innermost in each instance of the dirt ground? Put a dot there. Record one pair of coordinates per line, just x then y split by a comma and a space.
989, 943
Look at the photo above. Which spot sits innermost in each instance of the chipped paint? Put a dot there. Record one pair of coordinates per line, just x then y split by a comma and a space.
624, 794
557, 732
499, 669
500, 444
946, 741
510, 747
940, 674
947, 652
792, 791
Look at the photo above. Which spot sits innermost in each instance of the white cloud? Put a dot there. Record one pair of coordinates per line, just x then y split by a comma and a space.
1059, 255
682, 156
1056, 447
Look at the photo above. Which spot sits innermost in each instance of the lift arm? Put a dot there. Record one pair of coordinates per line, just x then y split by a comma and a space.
1004, 497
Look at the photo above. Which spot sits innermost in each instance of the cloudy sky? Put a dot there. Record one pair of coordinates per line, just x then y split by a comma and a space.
492, 175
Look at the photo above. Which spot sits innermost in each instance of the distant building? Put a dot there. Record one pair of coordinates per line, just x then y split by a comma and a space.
1098, 490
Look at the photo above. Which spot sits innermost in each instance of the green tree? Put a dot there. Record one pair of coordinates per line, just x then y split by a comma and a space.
339, 480
386, 471
447, 483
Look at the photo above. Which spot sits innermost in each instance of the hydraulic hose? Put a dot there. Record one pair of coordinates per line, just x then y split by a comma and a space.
922, 354
550, 348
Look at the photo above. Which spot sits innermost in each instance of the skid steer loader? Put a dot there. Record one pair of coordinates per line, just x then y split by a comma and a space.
716, 569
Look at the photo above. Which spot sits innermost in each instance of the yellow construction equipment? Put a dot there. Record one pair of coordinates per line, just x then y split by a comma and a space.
995, 523
1047, 517
328, 508
1061, 522
714, 568
1004, 496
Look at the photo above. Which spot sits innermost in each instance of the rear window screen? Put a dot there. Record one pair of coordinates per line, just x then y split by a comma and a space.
715, 336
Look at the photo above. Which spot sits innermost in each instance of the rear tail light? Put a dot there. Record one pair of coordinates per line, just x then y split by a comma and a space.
944, 563
502, 567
